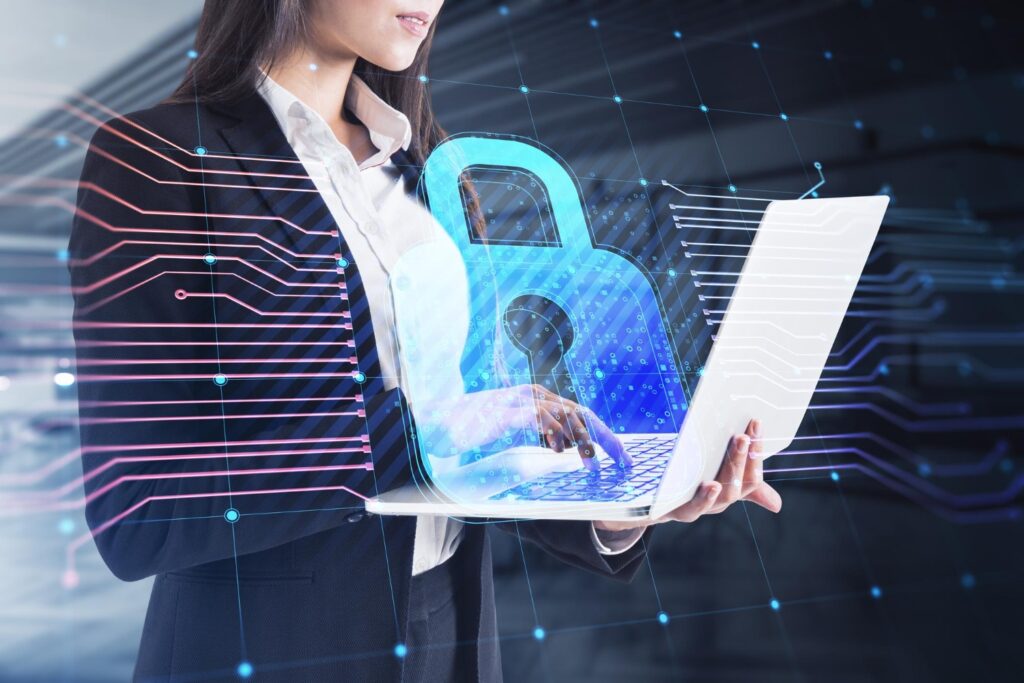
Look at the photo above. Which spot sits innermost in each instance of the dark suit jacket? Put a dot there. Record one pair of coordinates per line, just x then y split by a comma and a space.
189, 265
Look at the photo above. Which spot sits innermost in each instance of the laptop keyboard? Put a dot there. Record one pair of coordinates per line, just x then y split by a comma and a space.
649, 455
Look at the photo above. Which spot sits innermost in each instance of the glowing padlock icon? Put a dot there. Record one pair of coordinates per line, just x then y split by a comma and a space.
621, 362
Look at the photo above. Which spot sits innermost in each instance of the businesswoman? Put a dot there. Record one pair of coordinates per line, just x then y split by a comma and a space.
239, 384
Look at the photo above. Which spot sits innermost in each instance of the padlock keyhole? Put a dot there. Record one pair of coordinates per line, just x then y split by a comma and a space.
543, 332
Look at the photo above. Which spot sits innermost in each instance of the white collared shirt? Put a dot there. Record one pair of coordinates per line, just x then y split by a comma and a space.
379, 222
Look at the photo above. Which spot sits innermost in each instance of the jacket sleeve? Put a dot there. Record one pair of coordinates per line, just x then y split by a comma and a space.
572, 543
214, 375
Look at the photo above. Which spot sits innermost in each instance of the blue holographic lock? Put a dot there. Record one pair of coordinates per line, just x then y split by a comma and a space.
621, 362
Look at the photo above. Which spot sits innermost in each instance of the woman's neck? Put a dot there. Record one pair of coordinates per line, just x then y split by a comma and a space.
322, 86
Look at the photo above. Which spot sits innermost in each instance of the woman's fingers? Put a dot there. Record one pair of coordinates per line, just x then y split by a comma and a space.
767, 497
733, 469
551, 428
699, 505
606, 438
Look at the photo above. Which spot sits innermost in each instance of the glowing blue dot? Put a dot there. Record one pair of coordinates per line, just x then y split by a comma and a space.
998, 282
617, 99
968, 581
834, 476
858, 124
359, 377
201, 151
704, 108
523, 89
924, 469
784, 116
401, 650
643, 182
662, 617
756, 45
775, 604
191, 54
61, 141
343, 262
814, 193
539, 633
678, 35
503, 10
828, 54
876, 592
244, 670
883, 369
231, 515
62, 255
599, 373
732, 188
66, 526
593, 23
220, 380
423, 78
210, 259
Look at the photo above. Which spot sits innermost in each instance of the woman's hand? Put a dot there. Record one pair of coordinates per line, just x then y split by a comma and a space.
741, 477
564, 424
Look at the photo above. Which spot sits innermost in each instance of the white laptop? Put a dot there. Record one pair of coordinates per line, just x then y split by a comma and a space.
770, 348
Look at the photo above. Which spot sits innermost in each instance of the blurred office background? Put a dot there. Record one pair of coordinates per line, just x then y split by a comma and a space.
899, 554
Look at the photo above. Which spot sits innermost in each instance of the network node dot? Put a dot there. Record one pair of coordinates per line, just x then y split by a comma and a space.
359, 377
814, 193
313, 67
828, 54
732, 188
599, 373
539, 633
63, 254
876, 592
210, 259
924, 469
784, 116
231, 515
191, 54
834, 476
617, 99
671, 272
201, 151
858, 124
401, 650
756, 45
523, 89
423, 78
662, 617
593, 23
244, 670
968, 581
677, 35
643, 182
61, 141
775, 604
704, 108
342, 262
220, 379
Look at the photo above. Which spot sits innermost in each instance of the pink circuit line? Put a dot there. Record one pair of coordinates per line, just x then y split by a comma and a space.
84, 538
113, 462
268, 314
250, 375
126, 343
117, 295
75, 454
128, 325
182, 418
118, 404
199, 361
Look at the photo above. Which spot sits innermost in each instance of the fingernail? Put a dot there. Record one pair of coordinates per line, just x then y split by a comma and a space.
711, 490
591, 464
756, 427
743, 443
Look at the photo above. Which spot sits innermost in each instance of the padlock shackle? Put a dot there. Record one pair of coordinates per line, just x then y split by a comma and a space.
443, 169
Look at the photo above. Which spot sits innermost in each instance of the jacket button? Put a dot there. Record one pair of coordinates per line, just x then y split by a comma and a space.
354, 517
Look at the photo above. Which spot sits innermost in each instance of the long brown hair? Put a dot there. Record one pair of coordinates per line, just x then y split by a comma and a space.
236, 38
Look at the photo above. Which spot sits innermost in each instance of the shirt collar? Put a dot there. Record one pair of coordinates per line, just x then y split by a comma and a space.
389, 128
